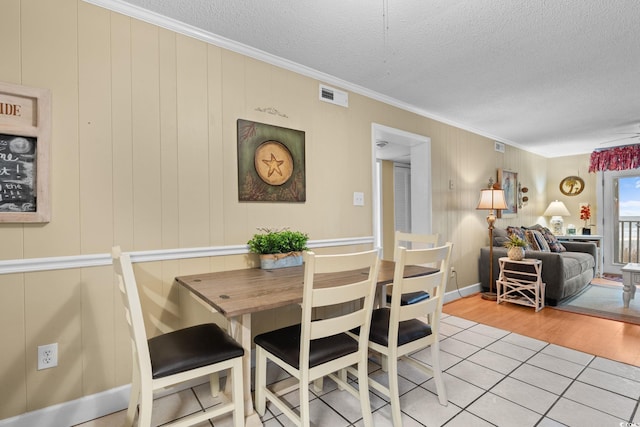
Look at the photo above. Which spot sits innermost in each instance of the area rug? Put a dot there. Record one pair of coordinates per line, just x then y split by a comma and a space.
604, 301
613, 277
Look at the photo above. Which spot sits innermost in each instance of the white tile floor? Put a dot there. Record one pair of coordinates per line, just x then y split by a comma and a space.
493, 378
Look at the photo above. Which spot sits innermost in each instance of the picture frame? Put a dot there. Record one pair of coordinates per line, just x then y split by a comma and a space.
25, 134
508, 181
271, 163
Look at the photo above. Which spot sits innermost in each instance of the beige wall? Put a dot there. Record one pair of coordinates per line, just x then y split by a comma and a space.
562, 167
144, 156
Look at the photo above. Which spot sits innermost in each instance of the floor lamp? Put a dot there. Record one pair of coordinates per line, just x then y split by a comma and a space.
491, 198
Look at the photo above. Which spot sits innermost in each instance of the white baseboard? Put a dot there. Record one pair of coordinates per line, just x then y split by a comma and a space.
461, 293
116, 399
75, 411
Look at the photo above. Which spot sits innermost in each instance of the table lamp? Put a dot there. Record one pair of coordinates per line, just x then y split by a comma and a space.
556, 211
491, 198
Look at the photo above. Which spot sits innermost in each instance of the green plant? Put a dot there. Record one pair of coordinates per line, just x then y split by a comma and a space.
277, 241
515, 242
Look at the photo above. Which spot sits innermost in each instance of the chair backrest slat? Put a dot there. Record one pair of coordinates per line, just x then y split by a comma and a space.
422, 283
414, 241
355, 297
344, 293
435, 284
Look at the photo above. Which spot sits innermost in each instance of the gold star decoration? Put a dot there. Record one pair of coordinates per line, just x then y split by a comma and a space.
274, 165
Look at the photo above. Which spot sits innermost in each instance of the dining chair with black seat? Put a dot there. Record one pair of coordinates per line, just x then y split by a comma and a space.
175, 357
319, 347
411, 241
400, 330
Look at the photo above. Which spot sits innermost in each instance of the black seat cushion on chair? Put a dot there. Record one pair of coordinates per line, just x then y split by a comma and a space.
191, 348
285, 344
411, 297
409, 330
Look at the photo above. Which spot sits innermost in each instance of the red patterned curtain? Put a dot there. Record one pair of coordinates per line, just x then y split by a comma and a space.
615, 159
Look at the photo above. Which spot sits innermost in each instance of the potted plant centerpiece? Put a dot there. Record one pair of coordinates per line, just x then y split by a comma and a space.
515, 247
278, 248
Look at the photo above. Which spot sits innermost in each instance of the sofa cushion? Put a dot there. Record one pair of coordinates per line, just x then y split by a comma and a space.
576, 263
531, 240
554, 244
518, 231
500, 236
542, 242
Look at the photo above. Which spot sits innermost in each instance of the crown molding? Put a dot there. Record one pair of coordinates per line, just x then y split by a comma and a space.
154, 18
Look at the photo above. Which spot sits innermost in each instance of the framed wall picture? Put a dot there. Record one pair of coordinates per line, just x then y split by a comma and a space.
271, 163
25, 132
508, 181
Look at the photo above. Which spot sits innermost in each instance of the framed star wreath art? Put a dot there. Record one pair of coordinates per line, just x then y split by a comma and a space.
271, 163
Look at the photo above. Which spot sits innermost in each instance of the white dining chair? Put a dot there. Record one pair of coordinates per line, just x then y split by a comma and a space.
320, 347
176, 357
400, 330
411, 241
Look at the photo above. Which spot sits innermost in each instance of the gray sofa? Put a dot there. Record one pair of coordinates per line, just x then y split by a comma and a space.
565, 273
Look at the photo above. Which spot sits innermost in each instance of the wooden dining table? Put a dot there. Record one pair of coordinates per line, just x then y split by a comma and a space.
237, 294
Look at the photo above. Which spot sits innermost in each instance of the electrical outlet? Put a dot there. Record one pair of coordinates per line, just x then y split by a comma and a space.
358, 199
47, 356
453, 272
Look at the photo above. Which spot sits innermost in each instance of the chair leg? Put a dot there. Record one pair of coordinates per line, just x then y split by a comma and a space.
363, 389
146, 405
384, 362
304, 403
134, 398
235, 376
214, 383
394, 390
318, 384
342, 374
260, 381
437, 374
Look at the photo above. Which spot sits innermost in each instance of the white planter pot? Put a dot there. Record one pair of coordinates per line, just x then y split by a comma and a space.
516, 253
272, 261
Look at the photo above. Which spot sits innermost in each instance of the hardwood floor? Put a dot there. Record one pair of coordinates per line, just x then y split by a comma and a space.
601, 337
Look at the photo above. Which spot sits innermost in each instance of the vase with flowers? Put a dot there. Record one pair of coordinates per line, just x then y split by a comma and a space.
585, 215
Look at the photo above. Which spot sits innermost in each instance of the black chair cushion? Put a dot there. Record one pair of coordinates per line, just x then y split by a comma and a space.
285, 344
411, 297
191, 348
409, 330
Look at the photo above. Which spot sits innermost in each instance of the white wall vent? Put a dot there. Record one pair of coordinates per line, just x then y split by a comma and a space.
499, 146
334, 96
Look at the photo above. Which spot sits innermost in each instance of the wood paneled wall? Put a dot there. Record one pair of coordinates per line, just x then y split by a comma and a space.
144, 156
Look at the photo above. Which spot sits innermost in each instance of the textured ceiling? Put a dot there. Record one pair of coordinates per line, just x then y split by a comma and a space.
555, 77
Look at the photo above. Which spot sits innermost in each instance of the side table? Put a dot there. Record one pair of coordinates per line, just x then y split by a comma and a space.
630, 279
521, 287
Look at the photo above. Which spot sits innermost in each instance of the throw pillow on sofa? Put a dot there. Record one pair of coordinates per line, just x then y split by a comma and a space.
500, 237
542, 241
554, 244
518, 231
537, 241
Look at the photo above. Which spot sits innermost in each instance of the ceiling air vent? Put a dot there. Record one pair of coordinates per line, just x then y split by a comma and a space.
334, 96
499, 146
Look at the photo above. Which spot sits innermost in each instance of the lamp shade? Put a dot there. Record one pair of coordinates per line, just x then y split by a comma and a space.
556, 208
492, 199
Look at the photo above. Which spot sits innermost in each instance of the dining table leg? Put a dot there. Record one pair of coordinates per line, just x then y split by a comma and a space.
241, 332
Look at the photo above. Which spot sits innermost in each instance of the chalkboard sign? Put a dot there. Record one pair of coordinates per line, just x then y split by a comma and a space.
25, 130
18, 173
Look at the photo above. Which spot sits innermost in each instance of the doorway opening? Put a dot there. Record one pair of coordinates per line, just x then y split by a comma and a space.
409, 206
621, 224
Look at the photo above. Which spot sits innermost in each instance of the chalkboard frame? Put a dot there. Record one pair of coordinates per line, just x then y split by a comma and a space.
26, 112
